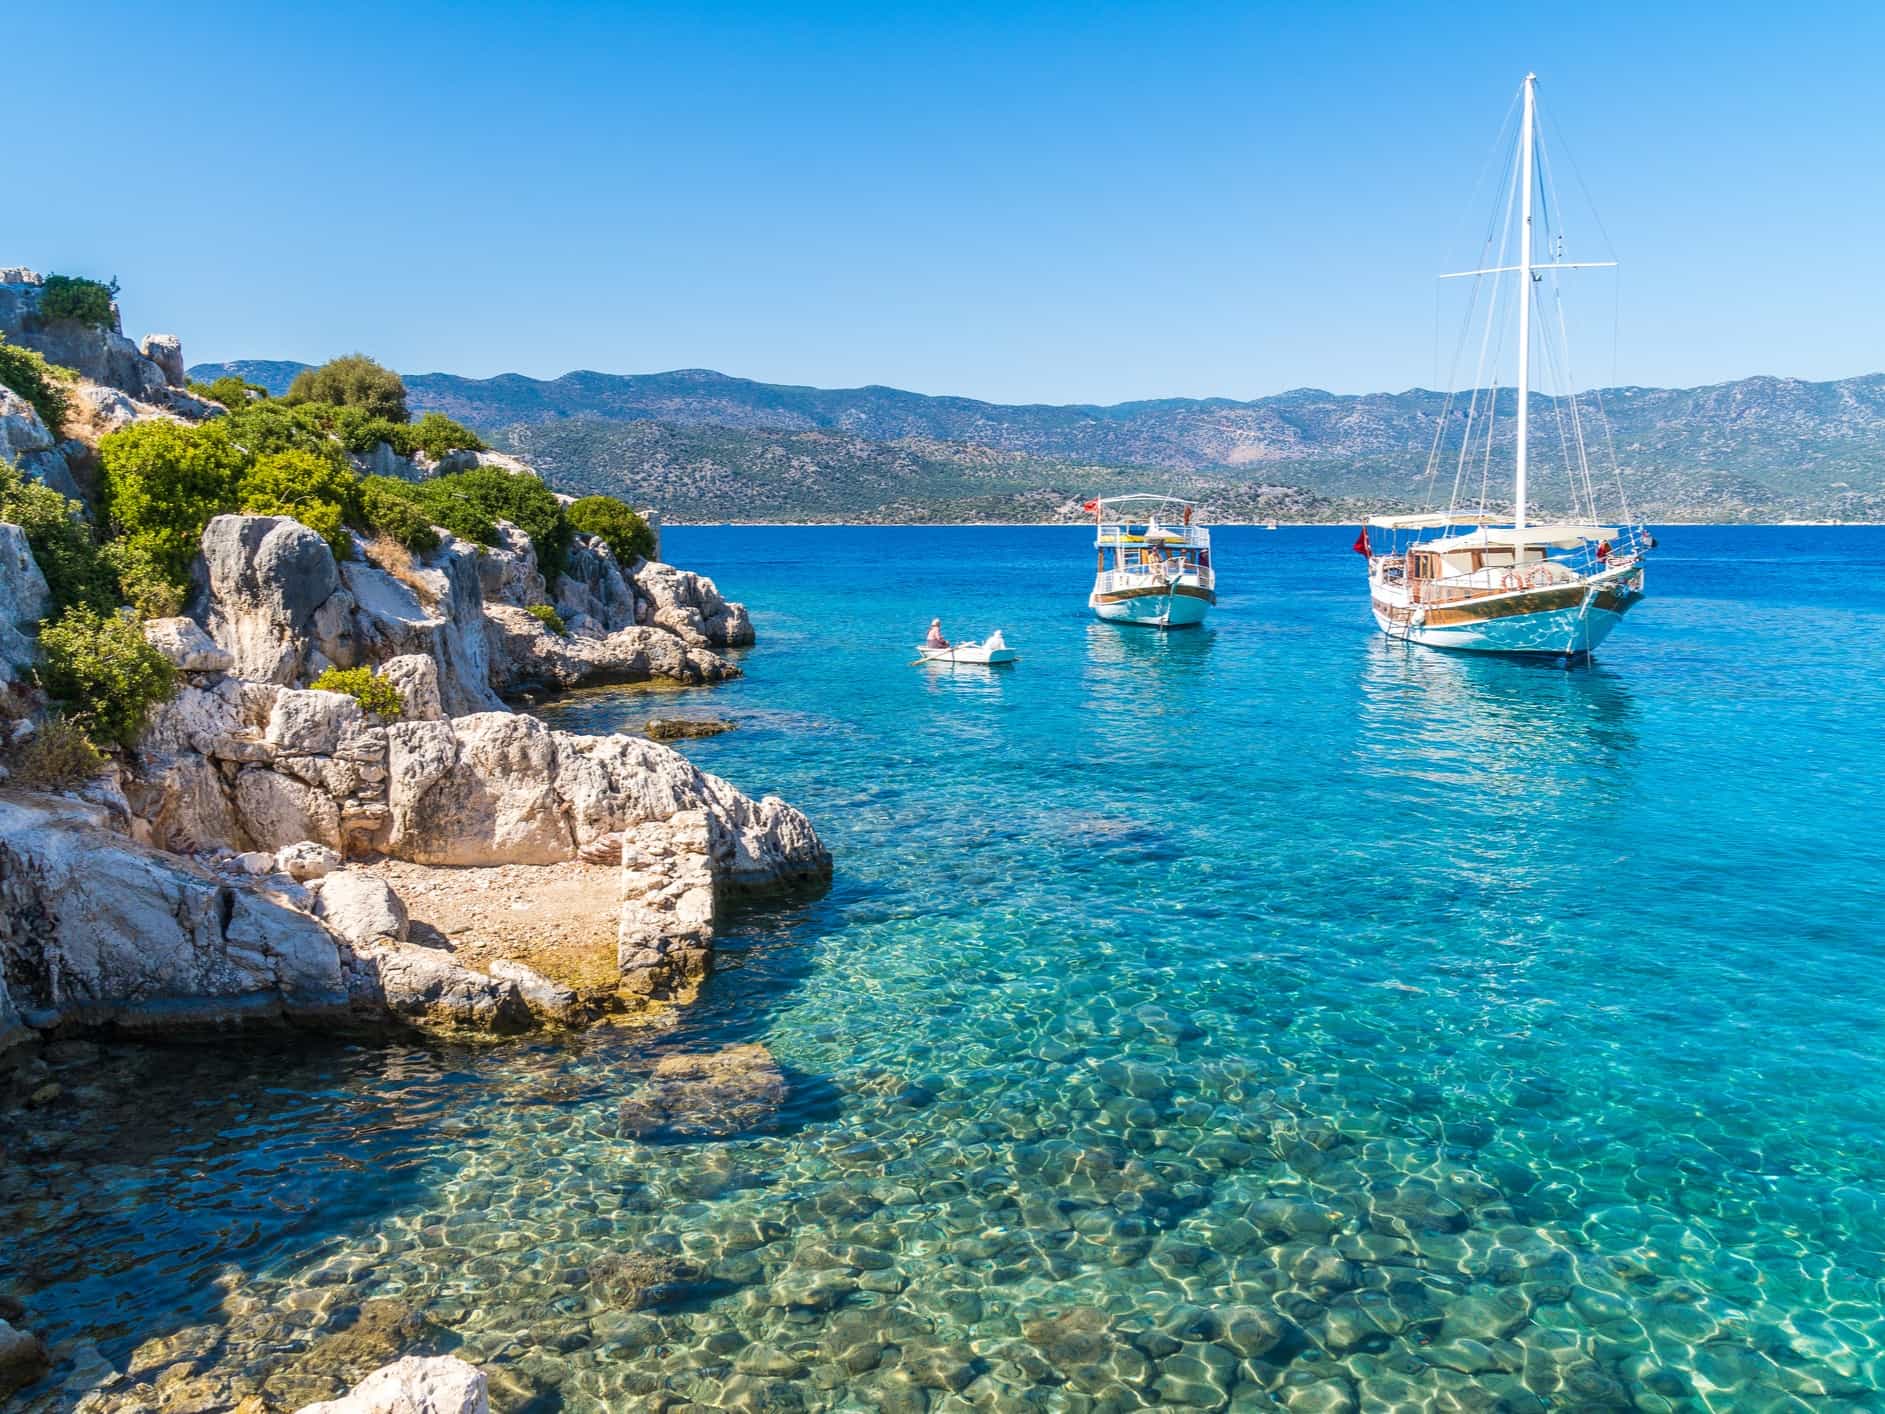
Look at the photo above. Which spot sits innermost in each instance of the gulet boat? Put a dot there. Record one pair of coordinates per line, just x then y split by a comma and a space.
1153, 562
1472, 579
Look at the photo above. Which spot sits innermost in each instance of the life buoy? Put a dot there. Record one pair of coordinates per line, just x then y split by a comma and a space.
1511, 580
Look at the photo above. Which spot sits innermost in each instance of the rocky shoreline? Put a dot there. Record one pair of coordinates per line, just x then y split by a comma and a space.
244, 859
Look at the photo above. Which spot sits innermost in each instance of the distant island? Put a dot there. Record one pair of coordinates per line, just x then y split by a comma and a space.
702, 446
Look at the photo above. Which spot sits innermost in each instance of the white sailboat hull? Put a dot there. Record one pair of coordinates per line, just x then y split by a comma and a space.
1562, 633
1568, 621
1154, 608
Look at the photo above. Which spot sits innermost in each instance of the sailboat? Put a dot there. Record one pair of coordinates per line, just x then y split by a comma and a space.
1472, 579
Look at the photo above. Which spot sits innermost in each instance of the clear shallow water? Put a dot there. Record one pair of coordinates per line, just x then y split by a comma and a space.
1267, 1016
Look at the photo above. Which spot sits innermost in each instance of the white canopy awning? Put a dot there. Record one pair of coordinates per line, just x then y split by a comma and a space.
1427, 520
1560, 537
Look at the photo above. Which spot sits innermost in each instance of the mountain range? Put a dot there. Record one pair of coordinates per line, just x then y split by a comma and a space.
700, 445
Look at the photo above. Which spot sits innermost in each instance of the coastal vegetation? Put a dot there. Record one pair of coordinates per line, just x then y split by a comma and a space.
75, 297
628, 535
373, 692
353, 381
162, 482
42, 384
101, 669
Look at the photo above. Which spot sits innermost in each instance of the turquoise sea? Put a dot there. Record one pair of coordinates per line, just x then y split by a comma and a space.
1262, 1017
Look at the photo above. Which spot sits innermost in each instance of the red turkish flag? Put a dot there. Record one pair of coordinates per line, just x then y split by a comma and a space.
1090, 505
1362, 546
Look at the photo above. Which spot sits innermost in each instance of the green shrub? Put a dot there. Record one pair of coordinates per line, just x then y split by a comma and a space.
372, 692
105, 674
395, 508
435, 434
232, 392
73, 297
549, 618
42, 384
354, 381
264, 427
163, 482
495, 494
61, 539
315, 490
629, 536
58, 756
142, 583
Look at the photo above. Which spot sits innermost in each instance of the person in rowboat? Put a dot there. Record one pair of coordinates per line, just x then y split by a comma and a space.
935, 639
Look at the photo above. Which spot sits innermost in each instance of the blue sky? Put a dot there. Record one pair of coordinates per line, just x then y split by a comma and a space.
1019, 202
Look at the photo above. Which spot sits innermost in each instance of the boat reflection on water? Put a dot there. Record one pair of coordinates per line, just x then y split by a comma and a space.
1487, 721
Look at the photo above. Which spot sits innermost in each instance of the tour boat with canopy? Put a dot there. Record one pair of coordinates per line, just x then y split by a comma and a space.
1153, 562
1473, 579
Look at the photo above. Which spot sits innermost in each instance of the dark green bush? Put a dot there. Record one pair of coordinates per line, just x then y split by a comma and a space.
42, 384
547, 615
261, 428
58, 756
435, 434
354, 381
315, 490
395, 508
142, 583
493, 494
74, 297
104, 673
629, 536
163, 482
61, 539
232, 392
374, 693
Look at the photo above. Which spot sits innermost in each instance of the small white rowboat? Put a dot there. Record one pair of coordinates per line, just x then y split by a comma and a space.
990, 651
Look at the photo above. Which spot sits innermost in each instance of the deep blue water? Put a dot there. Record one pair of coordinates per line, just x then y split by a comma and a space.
1504, 1035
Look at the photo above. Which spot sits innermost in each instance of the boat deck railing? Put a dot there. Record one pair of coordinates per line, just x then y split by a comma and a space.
1191, 537
1107, 581
1498, 579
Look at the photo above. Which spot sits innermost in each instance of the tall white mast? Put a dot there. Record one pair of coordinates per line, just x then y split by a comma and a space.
1524, 310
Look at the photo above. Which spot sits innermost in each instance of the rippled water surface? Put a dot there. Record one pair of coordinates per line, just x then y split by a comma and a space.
1264, 1017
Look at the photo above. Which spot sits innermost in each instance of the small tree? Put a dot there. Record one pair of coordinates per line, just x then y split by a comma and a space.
42, 384
74, 297
492, 493
105, 673
354, 381
315, 490
163, 482
626, 532
61, 539
396, 509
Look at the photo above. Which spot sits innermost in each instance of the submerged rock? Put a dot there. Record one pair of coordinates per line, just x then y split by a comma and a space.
22, 1358
440, 1384
635, 1281
684, 728
726, 1092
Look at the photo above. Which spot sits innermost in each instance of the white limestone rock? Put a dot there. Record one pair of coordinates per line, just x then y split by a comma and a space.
96, 929
441, 618
507, 571
311, 723
186, 647
361, 908
426, 988
267, 580
21, 430
309, 859
440, 1384
25, 599
592, 594
523, 650
690, 605
166, 351
416, 676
